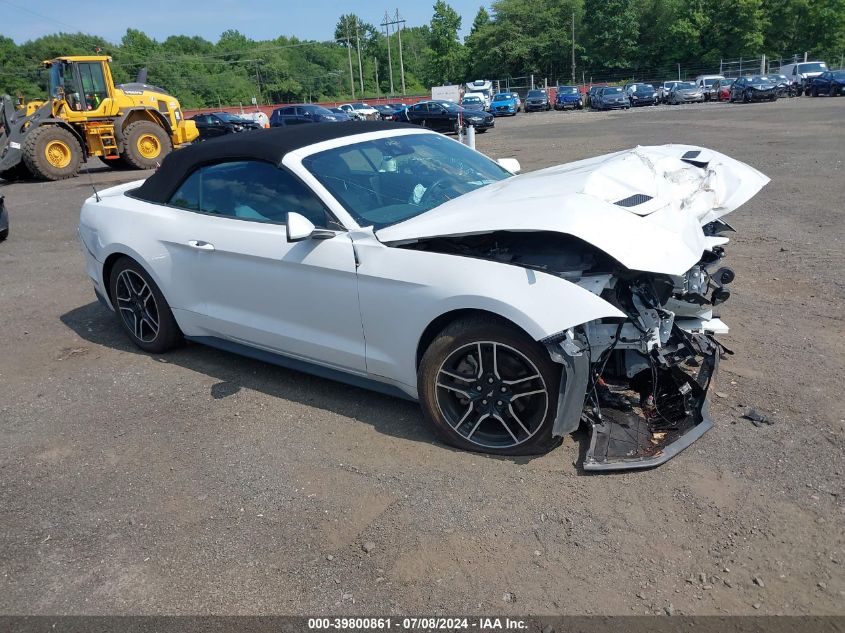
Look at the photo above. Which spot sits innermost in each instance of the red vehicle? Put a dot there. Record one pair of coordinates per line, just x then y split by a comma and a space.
722, 88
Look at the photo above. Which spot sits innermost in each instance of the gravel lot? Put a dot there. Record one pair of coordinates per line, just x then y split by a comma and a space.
202, 482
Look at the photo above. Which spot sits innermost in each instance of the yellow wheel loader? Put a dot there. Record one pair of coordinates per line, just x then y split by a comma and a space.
129, 125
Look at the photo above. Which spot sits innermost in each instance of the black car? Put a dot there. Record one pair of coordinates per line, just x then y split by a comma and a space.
829, 83
755, 88
386, 112
297, 115
536, 100
443, 116
641, 94
216, 124
340, 114
4, 221
610, 98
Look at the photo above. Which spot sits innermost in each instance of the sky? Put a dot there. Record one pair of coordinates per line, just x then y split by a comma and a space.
24, 20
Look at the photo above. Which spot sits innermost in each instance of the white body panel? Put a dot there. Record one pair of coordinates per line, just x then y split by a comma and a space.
661, 235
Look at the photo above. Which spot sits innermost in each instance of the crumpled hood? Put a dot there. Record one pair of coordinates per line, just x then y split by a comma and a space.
645, 207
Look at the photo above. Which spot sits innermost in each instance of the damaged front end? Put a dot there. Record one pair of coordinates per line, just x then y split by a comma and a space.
645, 379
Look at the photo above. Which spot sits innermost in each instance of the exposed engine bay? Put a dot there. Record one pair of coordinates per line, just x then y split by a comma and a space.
645, 378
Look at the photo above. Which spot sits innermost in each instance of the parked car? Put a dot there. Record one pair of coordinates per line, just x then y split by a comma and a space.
537, 100
215, 124
685, 92
299, 114
398, 105
473, 102
723, 89
257, 117
504, 104
518, 101
397, 259
831, 83
783, 84
4, 220
757, 88
445, 116
610, 98
591, 94
664, 89
568, 97
706, 83
802, 73
385, 112
341, 115
485, 99
360, 111
641, 94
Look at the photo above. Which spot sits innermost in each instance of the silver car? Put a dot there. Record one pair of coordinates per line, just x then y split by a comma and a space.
685, 92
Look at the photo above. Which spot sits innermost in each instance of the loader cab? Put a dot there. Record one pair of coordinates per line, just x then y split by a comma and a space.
83, 83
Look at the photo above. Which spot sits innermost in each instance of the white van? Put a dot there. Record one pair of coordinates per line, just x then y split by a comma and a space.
706, 83
802, 72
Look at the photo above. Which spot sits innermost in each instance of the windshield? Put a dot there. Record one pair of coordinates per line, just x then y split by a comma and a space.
567, 90
812, 67
669, 84
536, 93
838, 74
685, 85
385, 181
710, 82
360, 106
612, 91
318, 110
472, 100
643, 88
757, 79
502, 97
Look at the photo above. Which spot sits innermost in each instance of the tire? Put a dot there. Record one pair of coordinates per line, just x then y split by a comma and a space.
140, 305
506, 411
145, 144
18, 172
814, 92
4, 234
51, 152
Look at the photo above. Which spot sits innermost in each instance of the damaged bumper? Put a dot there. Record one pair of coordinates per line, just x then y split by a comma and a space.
641, 430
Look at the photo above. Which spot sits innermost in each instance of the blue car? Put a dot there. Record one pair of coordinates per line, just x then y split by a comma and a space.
504, 104
568, 97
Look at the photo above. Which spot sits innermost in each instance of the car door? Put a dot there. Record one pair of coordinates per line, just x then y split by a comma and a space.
298, 299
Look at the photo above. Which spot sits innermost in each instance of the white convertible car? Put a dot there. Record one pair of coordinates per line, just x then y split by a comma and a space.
513, 307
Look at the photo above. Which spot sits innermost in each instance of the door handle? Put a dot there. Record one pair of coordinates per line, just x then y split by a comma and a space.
200, 245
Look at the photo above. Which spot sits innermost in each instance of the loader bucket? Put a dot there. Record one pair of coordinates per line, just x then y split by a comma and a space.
14, 126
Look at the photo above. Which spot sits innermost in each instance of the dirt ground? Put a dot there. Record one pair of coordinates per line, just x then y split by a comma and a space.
201, 482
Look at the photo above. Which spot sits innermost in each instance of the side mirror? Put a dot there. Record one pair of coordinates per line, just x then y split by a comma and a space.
301, 228
511, 164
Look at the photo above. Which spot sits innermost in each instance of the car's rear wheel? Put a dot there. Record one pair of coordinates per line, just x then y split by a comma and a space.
142, 309
486, 386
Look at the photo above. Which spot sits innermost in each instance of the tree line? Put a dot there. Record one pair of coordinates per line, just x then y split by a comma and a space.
612, 39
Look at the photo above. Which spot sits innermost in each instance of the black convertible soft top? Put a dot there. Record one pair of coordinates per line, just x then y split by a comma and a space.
267, 145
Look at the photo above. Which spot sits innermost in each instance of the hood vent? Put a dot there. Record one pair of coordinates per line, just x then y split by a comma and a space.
633, 201
690, 157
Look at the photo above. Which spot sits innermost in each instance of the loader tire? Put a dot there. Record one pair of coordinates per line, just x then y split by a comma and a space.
145, 144
52, 153
18, 172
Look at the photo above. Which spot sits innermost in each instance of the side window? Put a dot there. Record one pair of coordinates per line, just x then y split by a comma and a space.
248, 190
288, 111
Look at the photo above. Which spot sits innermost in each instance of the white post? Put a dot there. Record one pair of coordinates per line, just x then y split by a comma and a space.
763, 65
470, 137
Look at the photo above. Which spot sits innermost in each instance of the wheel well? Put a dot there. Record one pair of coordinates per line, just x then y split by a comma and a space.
108, 265
441, 322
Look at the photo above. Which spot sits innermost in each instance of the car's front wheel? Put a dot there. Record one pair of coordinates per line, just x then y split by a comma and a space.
142, 309
486, 386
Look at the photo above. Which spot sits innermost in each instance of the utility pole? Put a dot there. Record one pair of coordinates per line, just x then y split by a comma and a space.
358, 44
349, 52
375, 65
679, 72
399, 23
573, 47
258, 80
386, 24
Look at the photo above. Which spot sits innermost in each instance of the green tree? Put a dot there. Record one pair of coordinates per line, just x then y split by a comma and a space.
445, 62
611, 29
